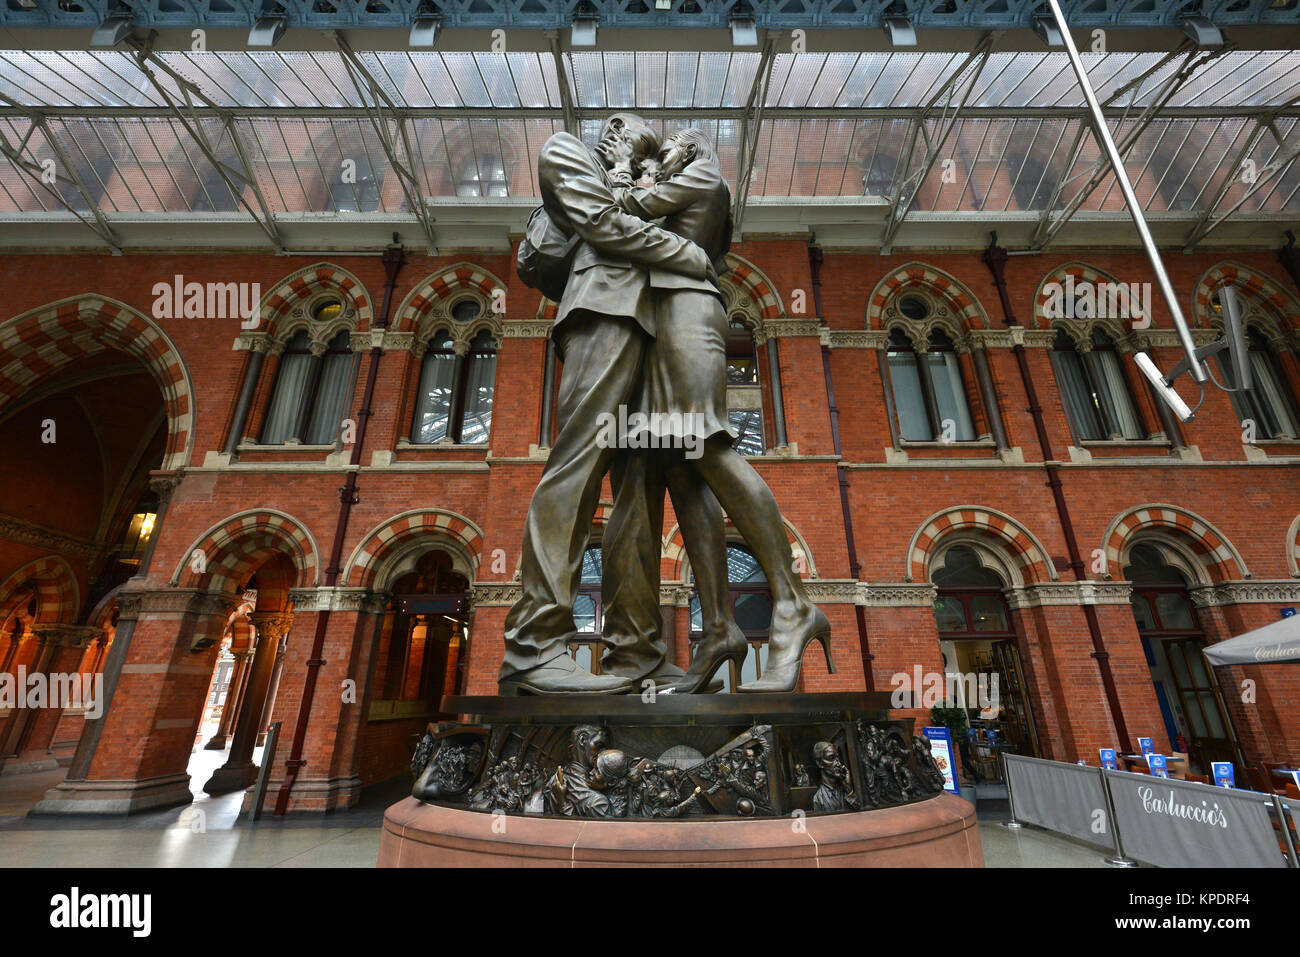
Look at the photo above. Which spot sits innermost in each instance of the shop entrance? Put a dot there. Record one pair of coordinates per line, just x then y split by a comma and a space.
979, 646
1172, 639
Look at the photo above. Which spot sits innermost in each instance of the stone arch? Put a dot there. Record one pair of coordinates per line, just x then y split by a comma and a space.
747, 290
1078, 329
392, 540
234, 547
1216, 557
428, 306
1026, 558
957, 310
58, 597
1268, 305
287, 307
41, 341
675, 565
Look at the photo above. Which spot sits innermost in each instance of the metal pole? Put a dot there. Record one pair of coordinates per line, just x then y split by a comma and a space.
1011, 801
264, 772
1119, 860
1130, 198
1293, 862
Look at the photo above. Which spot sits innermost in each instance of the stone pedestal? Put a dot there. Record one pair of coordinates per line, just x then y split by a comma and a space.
939, 832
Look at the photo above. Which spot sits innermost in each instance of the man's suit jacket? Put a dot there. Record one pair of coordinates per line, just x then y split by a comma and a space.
620, 256
694, 204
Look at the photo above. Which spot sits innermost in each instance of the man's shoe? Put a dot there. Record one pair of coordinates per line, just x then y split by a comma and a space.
561, 676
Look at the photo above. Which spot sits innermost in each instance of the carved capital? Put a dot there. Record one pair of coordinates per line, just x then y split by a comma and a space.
1264, 592
495, 593
525, 329
361, 600
67, 636
857, 338
899, 595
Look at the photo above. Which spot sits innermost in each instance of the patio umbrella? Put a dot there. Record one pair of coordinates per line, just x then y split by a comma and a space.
1272, 644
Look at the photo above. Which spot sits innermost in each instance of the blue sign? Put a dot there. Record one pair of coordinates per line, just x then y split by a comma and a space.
1223, 774
1108, 759
1288, 612
941, 748
1147, 746
1159, 768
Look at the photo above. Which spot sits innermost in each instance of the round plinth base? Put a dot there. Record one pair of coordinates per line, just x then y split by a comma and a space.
939, 832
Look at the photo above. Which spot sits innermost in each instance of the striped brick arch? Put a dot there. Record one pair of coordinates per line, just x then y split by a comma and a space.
1258, 288
391, 538
747, 282
960, 301
433, 296
1025, 552
673, 560
39, 343
1218, 559
294, 292
1082, 273
1293, 548
234, 548
57, 594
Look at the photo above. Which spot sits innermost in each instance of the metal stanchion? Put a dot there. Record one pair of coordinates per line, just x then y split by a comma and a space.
1286, 831
264, 772
1118, 860
1011, 800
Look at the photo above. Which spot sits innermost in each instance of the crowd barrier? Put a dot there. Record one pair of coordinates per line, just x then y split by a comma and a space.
1165, 822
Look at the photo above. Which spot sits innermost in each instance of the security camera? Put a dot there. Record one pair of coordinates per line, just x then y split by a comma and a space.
1170, 397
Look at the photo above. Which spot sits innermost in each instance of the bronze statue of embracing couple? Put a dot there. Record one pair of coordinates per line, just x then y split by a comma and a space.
641, 329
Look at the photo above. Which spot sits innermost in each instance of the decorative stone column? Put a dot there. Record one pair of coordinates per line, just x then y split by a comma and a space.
276, 672
234, 697
29, 733
239, 771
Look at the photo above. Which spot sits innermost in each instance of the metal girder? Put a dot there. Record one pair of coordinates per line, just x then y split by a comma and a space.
237, 179
750, 127
1050, 225
384, 117
564, 79
22, 157
714, 14
942, 108
1287, 155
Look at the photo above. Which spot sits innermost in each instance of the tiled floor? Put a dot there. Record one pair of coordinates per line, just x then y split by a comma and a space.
211, 833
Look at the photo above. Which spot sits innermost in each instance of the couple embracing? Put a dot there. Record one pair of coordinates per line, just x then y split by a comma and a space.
641, 326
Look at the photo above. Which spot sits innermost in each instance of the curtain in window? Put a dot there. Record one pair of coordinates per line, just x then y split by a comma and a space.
1076, 394
949, 396
477, 419
331, 397
286, 401
1116, 405
433, 404
913, 423
1270, 396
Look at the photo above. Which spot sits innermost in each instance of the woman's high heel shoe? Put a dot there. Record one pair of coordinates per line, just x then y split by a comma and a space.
711, 654
785, 656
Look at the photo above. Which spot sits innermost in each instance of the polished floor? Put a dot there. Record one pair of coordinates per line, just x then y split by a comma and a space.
211, 832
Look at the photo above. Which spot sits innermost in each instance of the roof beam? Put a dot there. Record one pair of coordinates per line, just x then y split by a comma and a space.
385, 118
1049, 226
749, 131
21, 156
237, 178
564, 79
941, 107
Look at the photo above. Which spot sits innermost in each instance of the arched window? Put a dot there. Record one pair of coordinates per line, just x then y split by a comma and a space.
455, 392
1094, 389
310, 392
1268, 402
978, 642
744, 393
929, 392
481, 175
1185, 686
750, 602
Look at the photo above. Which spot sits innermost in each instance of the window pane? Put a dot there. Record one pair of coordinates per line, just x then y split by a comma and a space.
1270, 398
697, 617
331, 399
988, 613
1174, 611
742, 371
1076, 395
948, 614
592, 563
1114, 402
477, 421
742, 566
584, 614
748, 425
945, 375
1142, 613
913, 423
286, 403
754, 612
1211, 709
433, 404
